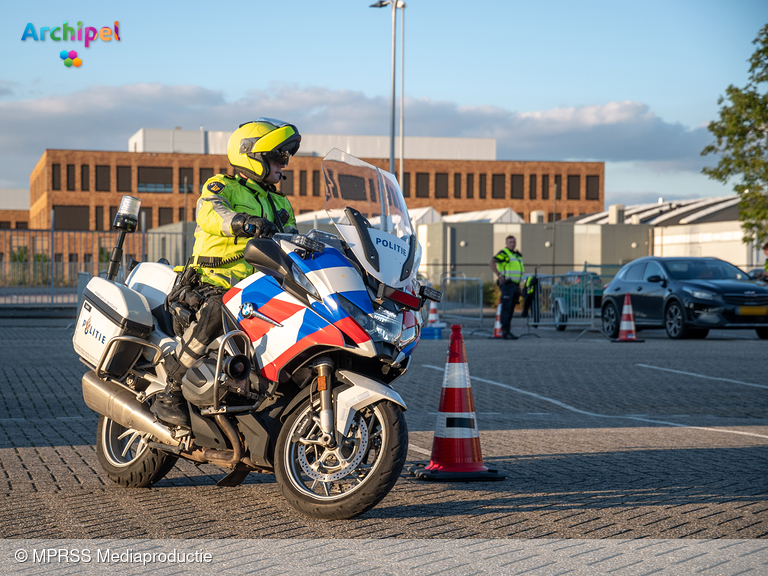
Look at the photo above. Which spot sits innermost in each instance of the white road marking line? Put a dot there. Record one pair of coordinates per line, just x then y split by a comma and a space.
419, 450
702, 376
585, 413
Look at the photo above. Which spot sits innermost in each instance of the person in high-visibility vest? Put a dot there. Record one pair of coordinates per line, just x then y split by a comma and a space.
530, 286
765, 266
508, 266
230, 211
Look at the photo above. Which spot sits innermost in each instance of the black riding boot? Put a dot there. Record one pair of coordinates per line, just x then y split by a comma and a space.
171, 407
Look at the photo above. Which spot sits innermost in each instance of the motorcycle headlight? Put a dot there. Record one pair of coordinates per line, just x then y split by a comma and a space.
408, 335
382, 325
700, 294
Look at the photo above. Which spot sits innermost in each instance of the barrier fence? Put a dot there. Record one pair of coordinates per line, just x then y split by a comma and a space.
565, 300
462, 298
41, 267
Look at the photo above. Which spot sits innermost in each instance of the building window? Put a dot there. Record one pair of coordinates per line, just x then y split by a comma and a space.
553, 217
99, 223
185, 174
70, 176
558, 186
124, 179
21, 225
569, 215
205, 175
71, 218
422, 185
593, 187
153, 179
85, 177
55, 177
481, 191
470, 185
517, 186
498, 185
441, 185
406, 184
112, 214
286, 186
182, 214
223, 170
5, 224
545, 187
574, 184
165, 216
103, 177
315, 182
532, 187
457, 185
302, 182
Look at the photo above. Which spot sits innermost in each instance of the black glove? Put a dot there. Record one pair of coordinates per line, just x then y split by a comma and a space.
247, 226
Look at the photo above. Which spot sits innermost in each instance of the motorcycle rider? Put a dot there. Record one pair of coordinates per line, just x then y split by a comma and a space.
230, 210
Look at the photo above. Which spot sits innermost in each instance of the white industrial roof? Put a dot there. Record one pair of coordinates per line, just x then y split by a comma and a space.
497, 216
415, 147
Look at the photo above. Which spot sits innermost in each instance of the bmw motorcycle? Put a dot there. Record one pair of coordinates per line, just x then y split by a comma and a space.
300, 382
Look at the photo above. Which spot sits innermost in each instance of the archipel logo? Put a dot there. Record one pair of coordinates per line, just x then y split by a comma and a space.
68, 33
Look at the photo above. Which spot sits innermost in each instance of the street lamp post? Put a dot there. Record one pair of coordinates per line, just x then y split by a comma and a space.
395, 5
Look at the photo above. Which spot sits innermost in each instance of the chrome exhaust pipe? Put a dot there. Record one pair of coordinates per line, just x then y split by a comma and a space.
120, 404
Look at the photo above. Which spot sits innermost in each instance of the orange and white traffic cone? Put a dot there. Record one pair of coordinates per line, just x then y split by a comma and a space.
433, 321
456, 455
497, 325
627, 327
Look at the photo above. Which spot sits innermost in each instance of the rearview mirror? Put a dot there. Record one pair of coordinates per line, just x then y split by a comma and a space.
655, 278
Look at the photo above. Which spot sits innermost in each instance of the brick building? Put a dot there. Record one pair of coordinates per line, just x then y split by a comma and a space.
83, 188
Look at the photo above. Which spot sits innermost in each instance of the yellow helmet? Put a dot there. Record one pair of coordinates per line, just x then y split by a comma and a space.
254, 142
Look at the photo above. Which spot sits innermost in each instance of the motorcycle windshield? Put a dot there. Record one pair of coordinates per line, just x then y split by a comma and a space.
367, 207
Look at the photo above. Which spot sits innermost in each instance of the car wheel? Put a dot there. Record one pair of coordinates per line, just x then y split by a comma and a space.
610, 318
762, 333
674, 321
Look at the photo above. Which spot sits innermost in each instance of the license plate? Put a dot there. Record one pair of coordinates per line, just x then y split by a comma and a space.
752, 310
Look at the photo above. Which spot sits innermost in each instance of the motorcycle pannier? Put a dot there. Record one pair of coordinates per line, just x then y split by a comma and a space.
110, 310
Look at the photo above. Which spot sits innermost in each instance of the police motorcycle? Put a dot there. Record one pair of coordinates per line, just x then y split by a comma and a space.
300, 383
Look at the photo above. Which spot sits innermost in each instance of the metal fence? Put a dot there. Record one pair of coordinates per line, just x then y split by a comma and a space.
565, 300
41, 267
462, 298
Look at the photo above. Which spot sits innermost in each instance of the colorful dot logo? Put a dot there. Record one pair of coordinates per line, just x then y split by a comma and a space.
70, 58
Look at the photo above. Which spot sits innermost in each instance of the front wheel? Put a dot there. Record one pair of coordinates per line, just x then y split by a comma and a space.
350, 479
674, 321
127, 459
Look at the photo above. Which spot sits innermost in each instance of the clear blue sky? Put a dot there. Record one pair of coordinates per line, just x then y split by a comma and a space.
631, 84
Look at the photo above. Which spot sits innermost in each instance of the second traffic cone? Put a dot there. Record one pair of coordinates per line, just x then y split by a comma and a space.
497, 325
627, 326
456, 455
433, 320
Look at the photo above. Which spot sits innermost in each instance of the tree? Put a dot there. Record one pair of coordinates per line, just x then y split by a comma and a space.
741, 140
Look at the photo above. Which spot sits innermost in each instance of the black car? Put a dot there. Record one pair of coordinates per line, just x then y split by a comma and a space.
686, 296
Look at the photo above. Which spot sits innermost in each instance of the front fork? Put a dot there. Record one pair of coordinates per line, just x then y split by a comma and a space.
324, 370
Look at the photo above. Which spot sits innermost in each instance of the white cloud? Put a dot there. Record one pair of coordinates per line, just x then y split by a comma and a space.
104, 117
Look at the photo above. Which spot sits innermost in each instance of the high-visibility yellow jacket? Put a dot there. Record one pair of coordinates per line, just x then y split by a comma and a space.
510, 264
217, 253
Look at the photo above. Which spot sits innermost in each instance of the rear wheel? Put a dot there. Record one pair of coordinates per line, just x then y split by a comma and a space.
762, 333
674, 321
610, 318
349, 479
127, 459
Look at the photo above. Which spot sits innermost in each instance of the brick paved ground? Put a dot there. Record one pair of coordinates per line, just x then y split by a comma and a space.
584, 434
